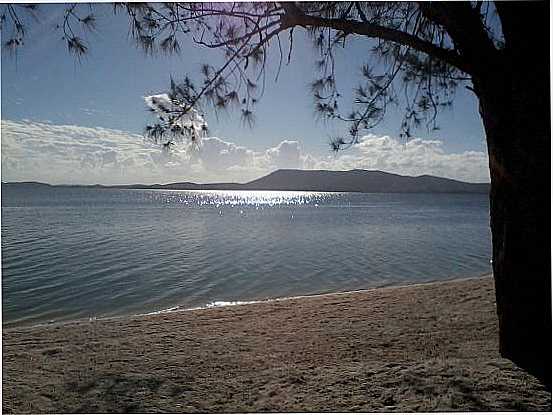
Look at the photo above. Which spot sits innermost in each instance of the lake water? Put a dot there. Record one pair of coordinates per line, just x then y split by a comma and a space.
72, 253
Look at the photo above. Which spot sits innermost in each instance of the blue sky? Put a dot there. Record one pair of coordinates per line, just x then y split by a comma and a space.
45, 85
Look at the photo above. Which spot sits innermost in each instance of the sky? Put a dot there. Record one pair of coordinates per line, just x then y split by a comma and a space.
70, 122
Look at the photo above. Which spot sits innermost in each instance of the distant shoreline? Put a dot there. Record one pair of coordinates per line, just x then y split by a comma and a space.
424, 347
358, 181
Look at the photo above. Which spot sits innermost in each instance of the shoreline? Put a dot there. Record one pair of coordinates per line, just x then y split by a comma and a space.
235, 303
418, 347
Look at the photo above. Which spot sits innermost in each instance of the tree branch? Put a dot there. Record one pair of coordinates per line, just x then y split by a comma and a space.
465, 27
294, 16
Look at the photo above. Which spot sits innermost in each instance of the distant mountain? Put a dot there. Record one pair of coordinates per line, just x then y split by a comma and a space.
29, 185
364, 181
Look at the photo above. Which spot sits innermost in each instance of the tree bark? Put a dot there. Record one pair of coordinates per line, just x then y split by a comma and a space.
514, 100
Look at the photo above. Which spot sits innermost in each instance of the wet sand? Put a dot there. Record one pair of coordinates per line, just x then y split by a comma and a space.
429, 347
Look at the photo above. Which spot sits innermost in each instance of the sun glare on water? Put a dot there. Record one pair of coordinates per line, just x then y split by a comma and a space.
252, 198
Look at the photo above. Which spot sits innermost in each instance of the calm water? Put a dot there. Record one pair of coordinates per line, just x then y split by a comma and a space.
80, 253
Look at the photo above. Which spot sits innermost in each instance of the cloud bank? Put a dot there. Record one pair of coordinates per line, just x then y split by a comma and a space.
71, 154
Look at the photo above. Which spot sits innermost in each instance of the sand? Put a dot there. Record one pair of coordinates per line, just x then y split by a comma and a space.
430, 347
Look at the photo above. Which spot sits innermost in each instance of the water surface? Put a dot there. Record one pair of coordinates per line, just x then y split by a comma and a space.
82, 252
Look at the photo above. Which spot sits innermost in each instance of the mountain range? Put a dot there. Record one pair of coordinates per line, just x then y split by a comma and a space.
364, 181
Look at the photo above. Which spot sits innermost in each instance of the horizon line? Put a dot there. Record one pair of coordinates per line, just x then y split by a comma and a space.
238, 183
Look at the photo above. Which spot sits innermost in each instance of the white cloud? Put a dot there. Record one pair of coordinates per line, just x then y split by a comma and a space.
216, 154
414, 157
287, 155
72, 154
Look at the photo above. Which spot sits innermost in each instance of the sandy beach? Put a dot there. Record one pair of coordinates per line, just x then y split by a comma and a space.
429, 347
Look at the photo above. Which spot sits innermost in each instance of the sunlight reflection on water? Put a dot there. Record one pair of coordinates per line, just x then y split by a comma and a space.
253, 198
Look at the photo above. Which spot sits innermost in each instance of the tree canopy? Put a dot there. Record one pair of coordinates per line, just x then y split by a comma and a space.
415, 59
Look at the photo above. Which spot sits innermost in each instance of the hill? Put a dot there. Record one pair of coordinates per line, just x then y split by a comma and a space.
364, 181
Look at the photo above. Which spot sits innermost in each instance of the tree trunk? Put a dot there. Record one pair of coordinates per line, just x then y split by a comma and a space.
515, 108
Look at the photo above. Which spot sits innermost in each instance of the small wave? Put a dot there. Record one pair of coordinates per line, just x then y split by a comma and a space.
163, 311
214, 304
